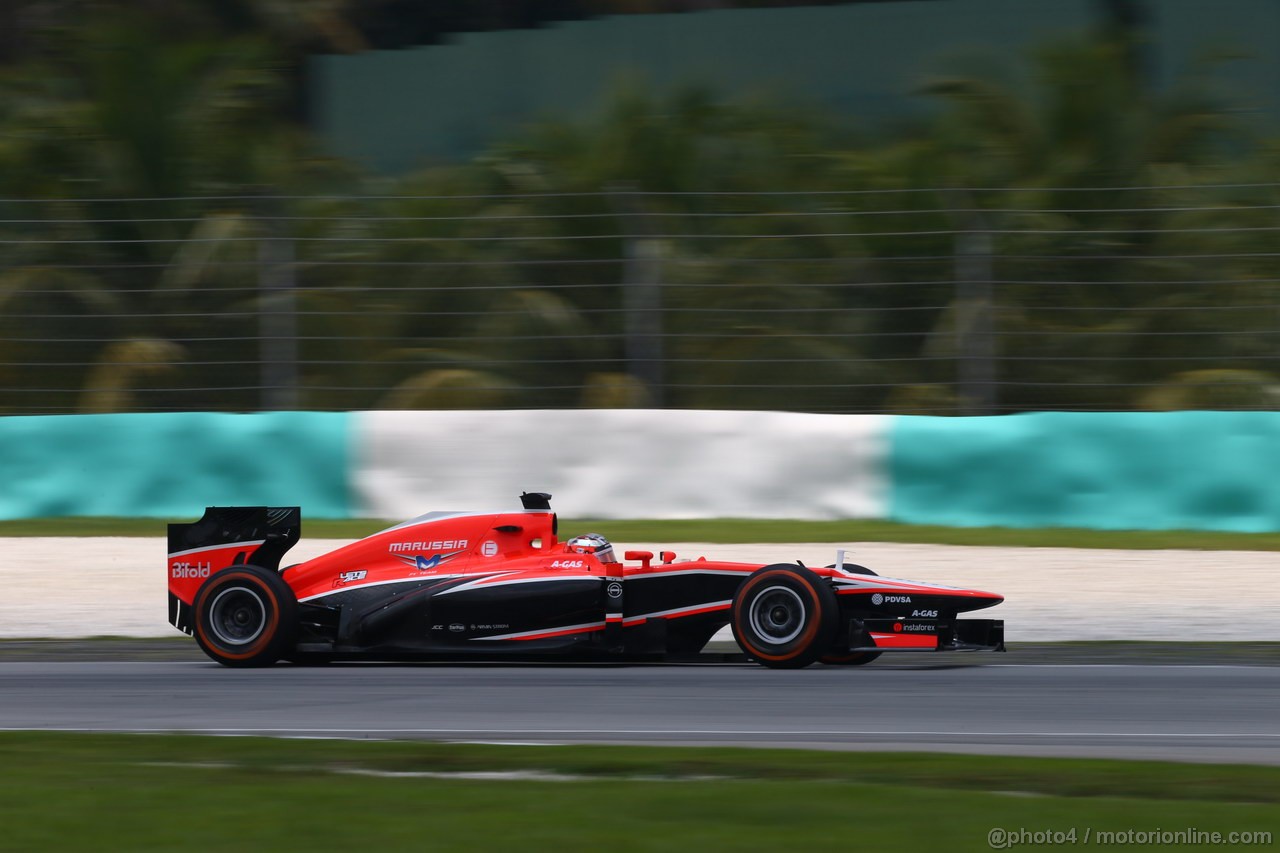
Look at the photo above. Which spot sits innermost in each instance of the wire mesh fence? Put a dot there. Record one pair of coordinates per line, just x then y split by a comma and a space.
913, 301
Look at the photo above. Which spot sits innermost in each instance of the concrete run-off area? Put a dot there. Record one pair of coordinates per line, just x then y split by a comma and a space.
80, 587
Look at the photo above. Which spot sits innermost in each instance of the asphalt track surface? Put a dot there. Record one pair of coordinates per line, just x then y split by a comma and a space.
1214, 712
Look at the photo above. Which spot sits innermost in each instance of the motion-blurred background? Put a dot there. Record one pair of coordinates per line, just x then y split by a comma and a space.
925, 207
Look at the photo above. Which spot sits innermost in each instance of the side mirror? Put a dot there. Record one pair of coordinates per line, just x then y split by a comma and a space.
668, 556
643, 556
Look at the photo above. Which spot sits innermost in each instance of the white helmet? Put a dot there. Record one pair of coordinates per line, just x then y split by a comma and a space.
594, 544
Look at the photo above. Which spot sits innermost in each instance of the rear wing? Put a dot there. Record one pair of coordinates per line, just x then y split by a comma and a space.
225, 536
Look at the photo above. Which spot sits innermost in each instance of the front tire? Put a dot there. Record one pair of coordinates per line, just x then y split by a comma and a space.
245, 616
784, 616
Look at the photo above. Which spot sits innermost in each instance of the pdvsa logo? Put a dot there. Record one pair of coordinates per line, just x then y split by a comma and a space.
878, 599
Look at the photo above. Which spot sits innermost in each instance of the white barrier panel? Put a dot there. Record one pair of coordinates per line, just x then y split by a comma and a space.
623, 463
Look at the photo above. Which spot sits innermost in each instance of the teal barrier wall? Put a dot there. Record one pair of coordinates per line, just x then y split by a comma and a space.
1153, 471
172, 465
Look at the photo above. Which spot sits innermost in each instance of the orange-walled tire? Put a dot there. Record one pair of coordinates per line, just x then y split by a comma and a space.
785, 616
245, 616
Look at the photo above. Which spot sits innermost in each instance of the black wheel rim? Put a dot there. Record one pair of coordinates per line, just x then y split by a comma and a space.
237, 616
777, 615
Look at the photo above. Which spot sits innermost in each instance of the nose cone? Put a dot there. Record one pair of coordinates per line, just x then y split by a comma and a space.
976, 599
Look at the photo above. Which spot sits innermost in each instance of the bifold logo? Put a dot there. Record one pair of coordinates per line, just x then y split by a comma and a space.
182, 571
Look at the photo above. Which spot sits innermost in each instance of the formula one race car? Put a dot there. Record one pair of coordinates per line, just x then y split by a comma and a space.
467, 585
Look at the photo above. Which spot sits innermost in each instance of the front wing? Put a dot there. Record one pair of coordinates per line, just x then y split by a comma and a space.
926, 635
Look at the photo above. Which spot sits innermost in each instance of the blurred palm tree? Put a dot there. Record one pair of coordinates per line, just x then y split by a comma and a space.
132, 127
50, 333
1050, 147
670, 175
505, 281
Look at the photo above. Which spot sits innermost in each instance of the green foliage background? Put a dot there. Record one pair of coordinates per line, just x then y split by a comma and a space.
146, 159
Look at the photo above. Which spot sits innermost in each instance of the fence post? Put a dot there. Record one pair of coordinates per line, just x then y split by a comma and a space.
974, 321
641, 295
277, 314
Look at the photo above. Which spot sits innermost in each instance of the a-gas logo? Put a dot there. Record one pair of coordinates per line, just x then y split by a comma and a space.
183, 570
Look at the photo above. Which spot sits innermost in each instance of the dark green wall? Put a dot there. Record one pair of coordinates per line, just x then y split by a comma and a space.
394, 110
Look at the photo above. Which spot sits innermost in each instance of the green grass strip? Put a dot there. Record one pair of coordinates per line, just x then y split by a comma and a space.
732, 531
1065, 777
94, 792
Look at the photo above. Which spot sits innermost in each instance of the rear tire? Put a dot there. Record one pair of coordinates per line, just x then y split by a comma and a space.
784, 616
245, 616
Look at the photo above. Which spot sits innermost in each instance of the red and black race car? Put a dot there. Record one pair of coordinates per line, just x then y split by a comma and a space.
470, 585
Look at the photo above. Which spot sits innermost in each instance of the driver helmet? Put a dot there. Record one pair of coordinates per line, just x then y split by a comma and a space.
593, 544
